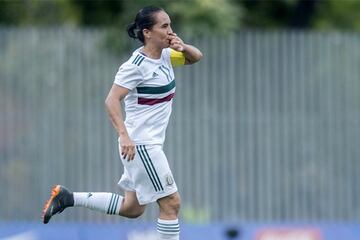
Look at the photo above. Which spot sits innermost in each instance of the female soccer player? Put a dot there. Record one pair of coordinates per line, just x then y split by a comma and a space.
146, 83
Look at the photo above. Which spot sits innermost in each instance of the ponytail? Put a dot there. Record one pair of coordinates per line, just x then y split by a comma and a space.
131, 30
143, 20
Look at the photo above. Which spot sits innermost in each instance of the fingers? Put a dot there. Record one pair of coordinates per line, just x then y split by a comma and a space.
128, 152
132, 153
175, 42
173, 36
177, 47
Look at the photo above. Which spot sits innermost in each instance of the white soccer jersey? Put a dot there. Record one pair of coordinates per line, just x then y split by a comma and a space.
151, 85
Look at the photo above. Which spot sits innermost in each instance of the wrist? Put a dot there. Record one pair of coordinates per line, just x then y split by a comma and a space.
122, 133
185, 47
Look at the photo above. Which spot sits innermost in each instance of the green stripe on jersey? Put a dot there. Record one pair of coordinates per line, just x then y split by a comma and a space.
138, 60
156, 90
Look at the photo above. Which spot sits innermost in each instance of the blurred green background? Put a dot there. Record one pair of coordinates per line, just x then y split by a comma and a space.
190, 17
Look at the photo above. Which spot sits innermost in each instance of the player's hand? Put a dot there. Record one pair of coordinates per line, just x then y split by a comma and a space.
176, 43
127, 147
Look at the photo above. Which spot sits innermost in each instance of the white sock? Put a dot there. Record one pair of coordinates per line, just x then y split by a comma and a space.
109, 203
168, 229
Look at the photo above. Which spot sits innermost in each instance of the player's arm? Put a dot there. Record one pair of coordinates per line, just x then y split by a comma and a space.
113, 107
190, 53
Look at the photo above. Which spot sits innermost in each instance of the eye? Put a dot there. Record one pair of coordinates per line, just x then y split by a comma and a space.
165, 25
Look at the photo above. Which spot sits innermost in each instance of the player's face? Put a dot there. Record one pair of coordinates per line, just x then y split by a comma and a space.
159, 34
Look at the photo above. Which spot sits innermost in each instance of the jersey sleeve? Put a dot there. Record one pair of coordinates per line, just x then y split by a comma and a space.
128, 76
177, 58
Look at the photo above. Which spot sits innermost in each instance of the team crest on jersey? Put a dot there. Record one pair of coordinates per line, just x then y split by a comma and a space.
169, 180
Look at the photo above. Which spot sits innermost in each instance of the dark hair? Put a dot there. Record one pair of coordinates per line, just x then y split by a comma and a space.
144, 20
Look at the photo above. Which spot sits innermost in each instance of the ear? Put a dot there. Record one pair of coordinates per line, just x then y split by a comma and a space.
147, 33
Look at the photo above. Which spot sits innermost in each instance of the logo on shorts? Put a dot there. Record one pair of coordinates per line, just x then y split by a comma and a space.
169, 180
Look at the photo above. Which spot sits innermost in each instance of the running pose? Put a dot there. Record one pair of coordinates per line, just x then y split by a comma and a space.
146, 83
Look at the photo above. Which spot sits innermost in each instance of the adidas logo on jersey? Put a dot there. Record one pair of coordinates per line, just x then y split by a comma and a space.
155, 75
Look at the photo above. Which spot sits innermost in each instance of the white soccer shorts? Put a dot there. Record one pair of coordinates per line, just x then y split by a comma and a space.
148, 174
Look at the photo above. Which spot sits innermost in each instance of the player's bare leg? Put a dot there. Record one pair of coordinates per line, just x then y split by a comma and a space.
168, 223
130, 207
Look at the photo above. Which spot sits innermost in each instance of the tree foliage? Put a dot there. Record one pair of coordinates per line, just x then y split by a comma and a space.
338, 15
190, 16
206, 16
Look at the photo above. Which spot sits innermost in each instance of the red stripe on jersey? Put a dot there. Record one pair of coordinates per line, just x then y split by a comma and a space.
153, 101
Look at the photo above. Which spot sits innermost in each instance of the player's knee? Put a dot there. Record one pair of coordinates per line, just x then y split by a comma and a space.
175, 204
171, 205
132, 211
135, 213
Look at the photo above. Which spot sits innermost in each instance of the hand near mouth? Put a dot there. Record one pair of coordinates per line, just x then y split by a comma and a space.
175, 42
